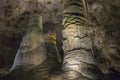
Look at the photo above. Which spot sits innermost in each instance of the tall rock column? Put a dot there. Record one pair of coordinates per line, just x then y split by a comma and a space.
78, 63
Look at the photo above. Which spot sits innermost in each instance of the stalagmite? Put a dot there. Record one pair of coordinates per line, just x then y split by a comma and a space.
78, 63
32, 50
51, 46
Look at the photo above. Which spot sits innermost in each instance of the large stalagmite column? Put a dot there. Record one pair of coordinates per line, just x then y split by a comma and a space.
78, 63
32, 50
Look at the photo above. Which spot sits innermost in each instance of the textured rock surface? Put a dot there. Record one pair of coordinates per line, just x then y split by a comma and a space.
104, 18
14, 18
106, 31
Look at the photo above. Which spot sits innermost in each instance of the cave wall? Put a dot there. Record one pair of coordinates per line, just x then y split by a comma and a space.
104, 20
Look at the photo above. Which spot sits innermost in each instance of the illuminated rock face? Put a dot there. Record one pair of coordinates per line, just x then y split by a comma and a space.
14, 18
32, 48
78, 62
